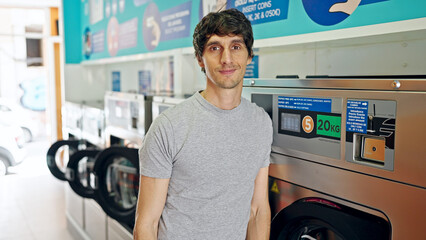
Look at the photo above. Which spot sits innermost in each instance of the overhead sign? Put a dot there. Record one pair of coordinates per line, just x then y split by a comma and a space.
261, 11
102, 29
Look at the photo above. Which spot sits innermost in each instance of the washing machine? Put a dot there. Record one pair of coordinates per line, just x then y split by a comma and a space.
115, 175
161, 103
81, 164
58, 157
72, 160
347, 157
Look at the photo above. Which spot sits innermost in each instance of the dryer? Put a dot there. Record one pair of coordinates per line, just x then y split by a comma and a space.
115, 176
58, 157
347, 157
72, 159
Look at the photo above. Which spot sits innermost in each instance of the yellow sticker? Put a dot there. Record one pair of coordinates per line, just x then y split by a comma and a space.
274, 188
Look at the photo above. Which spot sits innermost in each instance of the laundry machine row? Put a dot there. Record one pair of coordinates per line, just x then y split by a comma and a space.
347, 157
101, 164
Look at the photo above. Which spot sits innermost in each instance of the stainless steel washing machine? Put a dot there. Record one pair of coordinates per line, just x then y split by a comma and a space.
115, 176
347, 159
161, 103
58, 157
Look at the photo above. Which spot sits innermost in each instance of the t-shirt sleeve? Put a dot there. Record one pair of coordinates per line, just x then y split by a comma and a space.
269, 137
155, 155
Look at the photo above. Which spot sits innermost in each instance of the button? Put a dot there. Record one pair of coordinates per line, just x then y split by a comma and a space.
373, 148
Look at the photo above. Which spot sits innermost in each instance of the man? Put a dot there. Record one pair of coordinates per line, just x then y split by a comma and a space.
204, 163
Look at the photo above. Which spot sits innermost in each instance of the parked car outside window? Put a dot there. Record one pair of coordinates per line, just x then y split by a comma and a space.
13, 114
11, 151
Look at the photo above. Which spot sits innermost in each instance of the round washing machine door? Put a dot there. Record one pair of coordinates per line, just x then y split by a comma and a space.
317, 219
116, 180
78, 171
58, 156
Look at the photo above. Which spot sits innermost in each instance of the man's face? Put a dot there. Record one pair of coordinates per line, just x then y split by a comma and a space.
225, 59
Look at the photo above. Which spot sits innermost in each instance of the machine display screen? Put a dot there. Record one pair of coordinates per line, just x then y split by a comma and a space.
290, 122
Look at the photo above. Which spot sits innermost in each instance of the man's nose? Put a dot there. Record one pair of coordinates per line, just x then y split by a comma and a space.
226, 56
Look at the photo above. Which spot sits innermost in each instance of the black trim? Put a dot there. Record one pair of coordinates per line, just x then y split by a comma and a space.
316, 213
102, 162
369, 76
51, 153
75, 183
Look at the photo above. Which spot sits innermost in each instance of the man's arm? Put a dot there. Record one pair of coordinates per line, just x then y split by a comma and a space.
151, 200
260, 214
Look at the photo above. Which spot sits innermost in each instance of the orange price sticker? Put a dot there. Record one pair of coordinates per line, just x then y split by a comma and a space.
308, 124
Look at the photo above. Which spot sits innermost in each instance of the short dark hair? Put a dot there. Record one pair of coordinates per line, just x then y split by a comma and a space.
222, 23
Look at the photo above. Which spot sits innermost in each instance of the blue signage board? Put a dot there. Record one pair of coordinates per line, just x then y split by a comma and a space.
144, 81
305, 104
102, 29
261, 11
356, 116
116, 81
252, 70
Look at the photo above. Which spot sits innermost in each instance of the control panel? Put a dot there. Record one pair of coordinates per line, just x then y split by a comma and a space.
315, 125
305, 123
370, 132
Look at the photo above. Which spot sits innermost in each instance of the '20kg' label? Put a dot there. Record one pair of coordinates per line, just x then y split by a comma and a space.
328, 125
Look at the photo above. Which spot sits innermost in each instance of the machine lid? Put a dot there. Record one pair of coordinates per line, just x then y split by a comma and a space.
79, 167
353, 83
58, 155
117, 180
317, 218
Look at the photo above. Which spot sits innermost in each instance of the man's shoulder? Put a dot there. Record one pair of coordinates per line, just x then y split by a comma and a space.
255, 111
177, 113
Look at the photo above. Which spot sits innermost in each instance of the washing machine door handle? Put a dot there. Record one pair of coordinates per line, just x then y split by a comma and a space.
52, 153
69, 174
94, 181
79, 173
307, 237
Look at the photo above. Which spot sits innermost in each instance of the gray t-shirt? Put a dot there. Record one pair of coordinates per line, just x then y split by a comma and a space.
212, 157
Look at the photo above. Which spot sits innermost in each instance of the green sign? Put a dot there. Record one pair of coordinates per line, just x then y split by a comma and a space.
328, 125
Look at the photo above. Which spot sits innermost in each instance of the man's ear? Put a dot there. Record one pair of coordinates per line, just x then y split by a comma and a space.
250, 58
200, 62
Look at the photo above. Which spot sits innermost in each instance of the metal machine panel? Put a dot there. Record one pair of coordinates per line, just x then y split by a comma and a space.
74, 206
96, 220
116, 231
93, 123
128, 111
379, 128
161, 103
410, 125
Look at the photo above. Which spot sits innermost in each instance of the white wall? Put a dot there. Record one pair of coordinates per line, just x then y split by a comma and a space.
386, 54
392, 54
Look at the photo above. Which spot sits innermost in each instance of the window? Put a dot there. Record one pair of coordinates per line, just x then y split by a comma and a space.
34, 52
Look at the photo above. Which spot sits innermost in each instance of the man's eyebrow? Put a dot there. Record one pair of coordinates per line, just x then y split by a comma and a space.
212, 43
217, 42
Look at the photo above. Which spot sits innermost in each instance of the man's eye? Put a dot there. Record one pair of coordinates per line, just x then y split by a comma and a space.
236, 47
214, 48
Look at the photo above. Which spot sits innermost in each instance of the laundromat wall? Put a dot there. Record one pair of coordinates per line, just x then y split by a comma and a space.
379, 38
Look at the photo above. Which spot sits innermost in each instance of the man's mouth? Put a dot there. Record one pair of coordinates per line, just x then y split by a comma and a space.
227, 71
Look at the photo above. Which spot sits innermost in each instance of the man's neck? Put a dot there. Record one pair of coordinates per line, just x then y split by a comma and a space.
225, 99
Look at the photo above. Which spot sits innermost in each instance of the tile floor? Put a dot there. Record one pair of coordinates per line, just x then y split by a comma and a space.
32, 203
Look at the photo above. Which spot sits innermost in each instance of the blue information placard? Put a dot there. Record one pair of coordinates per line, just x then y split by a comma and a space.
306, 104
261, 11
144, 81
356, 116
252, 70
116, 81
